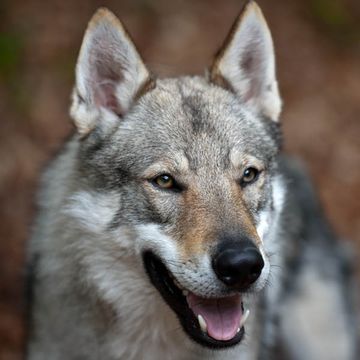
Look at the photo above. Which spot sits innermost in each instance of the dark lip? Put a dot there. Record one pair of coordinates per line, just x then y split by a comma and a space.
160, 277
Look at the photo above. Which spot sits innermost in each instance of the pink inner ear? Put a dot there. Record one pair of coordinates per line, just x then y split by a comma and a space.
104, 95
105, 75
253, 67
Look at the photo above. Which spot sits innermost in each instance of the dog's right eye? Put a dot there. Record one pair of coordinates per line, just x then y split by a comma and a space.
166, 182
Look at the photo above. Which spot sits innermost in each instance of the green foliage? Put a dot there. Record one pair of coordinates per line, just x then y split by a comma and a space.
10, 54
333, 13
336, 19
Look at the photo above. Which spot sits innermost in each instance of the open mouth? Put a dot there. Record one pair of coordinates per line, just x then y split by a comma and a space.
214, 323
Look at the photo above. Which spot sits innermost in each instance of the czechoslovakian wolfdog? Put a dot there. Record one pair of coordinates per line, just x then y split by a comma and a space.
170, 225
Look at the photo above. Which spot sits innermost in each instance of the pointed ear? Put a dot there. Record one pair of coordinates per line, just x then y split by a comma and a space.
246, 63
110, 74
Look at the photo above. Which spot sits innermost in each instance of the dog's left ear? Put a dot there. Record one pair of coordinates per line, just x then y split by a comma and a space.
110, 74
246, 63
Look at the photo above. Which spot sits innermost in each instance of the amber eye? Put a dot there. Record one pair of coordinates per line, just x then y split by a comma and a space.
164, 181
249, 176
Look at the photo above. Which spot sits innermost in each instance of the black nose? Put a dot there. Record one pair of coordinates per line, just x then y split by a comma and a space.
238, 264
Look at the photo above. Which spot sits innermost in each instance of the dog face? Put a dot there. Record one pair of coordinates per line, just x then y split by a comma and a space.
189, 167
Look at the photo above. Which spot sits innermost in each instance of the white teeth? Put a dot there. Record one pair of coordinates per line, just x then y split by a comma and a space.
238, 330
244, 318
202, 323
185, 292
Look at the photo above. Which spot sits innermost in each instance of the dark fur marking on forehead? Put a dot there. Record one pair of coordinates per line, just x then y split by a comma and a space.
192, 105
197, 124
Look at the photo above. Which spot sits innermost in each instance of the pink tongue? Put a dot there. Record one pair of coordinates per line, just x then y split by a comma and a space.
222, 316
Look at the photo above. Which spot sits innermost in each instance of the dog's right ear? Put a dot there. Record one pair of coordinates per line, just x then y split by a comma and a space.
110, 74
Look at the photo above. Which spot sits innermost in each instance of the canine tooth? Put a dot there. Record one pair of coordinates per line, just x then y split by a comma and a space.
202, 323
185, 292
244, 318
238, 330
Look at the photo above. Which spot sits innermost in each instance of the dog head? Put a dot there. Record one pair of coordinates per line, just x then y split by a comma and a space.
190, 166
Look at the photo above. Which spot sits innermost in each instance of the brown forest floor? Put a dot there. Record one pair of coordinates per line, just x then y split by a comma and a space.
318, 48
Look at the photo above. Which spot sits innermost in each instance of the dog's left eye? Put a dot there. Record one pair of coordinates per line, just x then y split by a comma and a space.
250, 175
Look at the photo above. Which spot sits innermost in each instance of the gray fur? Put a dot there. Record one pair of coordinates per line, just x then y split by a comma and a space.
99, 212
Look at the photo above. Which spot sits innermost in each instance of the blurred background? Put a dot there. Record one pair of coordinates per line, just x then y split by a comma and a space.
318, 57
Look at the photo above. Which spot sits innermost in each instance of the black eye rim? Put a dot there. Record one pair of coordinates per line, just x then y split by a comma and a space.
176, 187
244, 182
